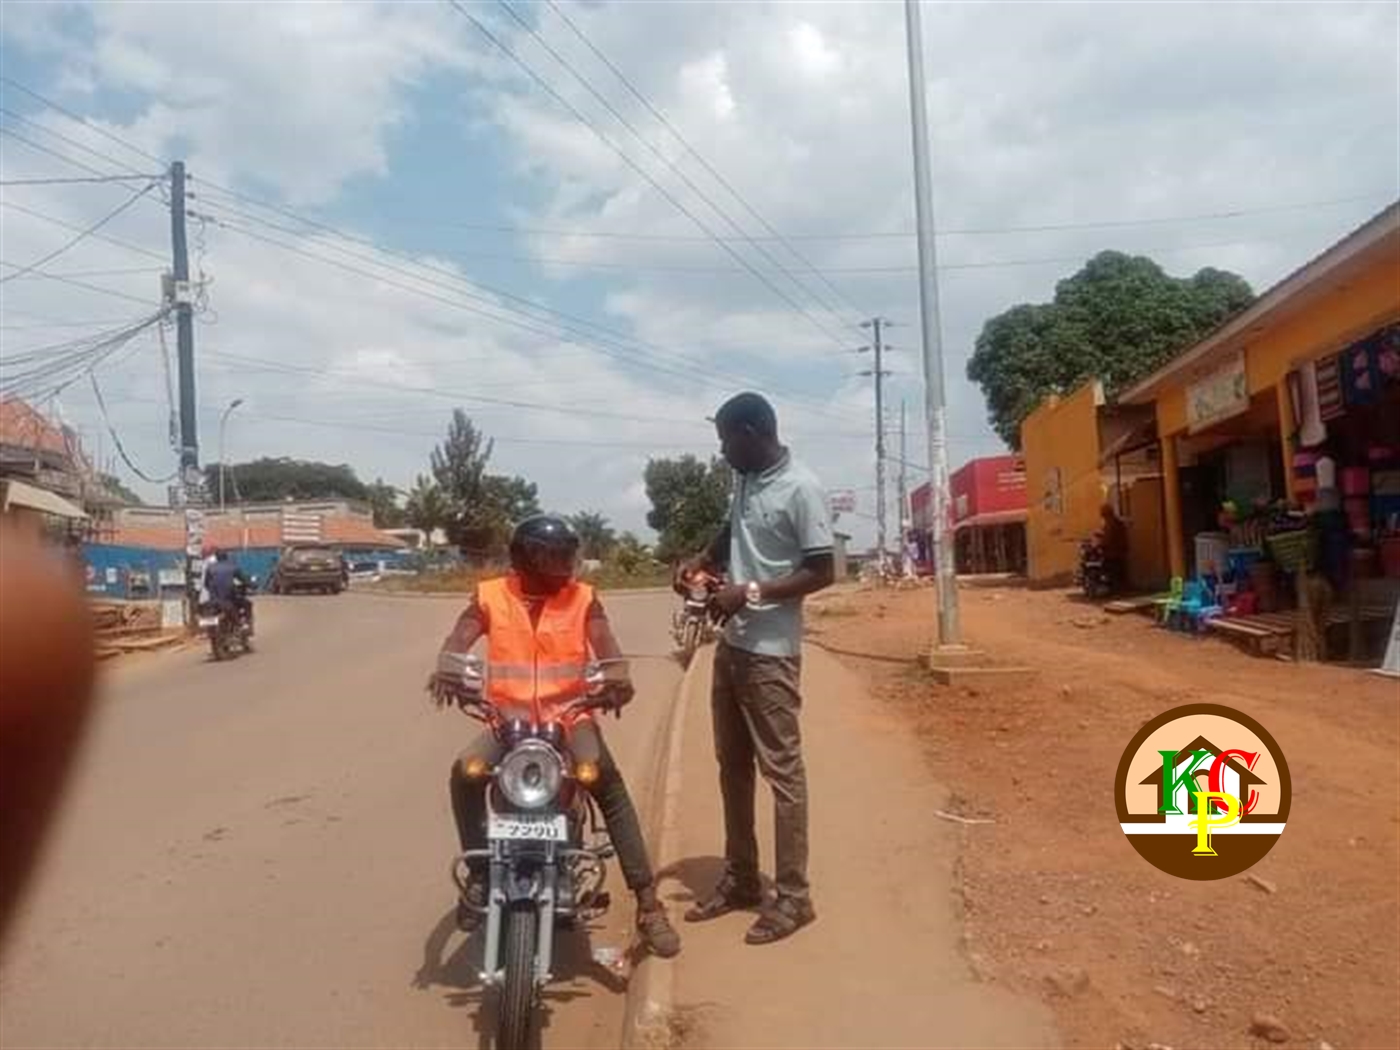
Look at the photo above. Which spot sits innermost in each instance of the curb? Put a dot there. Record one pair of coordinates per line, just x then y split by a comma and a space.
646, 1019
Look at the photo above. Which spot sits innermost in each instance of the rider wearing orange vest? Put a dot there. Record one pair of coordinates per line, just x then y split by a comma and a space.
541, 625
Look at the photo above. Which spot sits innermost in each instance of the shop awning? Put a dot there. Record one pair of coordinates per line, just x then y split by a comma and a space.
1141, 436
991, 517
30, 497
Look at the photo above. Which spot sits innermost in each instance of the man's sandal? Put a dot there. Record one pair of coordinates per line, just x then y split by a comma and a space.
782, 920
727, 896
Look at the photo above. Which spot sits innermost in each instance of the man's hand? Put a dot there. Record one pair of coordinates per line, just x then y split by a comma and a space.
445, 689
728, 600
619, 693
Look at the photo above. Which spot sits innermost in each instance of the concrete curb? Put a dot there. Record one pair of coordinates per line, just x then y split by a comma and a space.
646, 1019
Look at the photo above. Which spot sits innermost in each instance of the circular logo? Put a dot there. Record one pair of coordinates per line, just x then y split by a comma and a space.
1203, 792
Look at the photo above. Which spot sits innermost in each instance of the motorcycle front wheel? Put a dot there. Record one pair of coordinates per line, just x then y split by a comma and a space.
218, 645
516, 1009
690, 641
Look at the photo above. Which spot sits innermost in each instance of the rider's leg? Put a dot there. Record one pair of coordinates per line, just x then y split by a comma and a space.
625, 830
469, 812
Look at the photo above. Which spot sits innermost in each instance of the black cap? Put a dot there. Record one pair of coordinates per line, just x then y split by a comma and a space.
749, 410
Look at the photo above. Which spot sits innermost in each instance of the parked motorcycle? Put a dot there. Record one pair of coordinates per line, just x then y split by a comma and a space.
1093, 576
228, 626
546, 849
691, 625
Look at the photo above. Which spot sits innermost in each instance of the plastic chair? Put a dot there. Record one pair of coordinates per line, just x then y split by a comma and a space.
1168, 604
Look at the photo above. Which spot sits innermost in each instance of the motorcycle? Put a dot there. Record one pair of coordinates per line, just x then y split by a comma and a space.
228, 627
546, 848
1093, 575
691, 625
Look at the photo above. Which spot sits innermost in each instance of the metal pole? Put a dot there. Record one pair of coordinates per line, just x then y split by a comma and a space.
935, 396
223, 460
184, 334
881, 531
903, 474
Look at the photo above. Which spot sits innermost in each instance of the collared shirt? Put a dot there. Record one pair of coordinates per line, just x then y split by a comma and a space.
777, 519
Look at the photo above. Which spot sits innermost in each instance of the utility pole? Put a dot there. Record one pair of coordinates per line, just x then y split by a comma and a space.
181, 298
903, 474
190, 484
877, 326
935, 394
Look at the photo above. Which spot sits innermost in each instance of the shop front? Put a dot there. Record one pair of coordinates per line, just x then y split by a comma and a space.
1280, 450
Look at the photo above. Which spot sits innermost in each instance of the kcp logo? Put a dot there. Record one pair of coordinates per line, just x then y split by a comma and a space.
1203, 791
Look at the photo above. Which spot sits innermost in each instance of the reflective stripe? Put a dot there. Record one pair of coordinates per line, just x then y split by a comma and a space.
510, 672
562, 672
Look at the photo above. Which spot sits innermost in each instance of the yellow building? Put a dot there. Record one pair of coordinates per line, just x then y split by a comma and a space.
1303, 368
1081, 453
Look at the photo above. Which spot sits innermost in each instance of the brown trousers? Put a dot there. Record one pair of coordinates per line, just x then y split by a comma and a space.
756, 701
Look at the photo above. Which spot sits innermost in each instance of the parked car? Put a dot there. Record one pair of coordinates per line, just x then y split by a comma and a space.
308, 567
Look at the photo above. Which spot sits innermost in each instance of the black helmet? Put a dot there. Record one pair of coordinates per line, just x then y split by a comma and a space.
544, 546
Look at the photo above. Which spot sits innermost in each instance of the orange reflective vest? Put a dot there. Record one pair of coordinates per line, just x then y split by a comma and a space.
527, 661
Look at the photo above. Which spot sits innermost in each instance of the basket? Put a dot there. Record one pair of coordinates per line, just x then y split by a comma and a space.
1293, 551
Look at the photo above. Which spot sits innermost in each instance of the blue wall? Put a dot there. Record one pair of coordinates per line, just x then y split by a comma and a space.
134, 570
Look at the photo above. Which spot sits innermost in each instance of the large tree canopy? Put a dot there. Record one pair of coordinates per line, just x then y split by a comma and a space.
689, 503
1117, 319
284, 478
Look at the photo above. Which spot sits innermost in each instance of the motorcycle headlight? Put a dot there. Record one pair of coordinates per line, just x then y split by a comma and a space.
530, 775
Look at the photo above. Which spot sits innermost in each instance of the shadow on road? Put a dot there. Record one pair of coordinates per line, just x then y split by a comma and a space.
697, 877
452, 960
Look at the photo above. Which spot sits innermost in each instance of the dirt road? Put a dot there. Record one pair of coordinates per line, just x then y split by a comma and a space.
255, 853
883, 966
1059, 905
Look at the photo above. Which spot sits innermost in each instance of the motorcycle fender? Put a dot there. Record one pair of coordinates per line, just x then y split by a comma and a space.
520, 883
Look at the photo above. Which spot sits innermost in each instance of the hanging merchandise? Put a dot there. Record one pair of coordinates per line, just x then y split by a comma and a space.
1329, 388
1388, 354
1361, 381
1306, 409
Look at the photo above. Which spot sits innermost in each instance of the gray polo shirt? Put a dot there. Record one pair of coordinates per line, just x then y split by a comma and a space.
776, 519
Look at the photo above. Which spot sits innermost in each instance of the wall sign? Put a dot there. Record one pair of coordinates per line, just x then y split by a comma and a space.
1220, 395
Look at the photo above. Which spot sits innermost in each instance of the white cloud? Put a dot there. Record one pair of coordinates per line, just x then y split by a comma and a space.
1055, 113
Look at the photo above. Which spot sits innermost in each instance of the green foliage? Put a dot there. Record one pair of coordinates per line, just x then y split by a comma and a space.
597, 539
479, 508
118, 490
425, 507
384, 502
1117, 319
630, 555
283, 478
689, 503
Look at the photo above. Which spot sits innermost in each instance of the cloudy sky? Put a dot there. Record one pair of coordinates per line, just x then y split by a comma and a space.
396, 216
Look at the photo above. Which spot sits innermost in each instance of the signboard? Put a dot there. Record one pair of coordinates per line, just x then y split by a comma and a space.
1218, 396
194, 531
841, 501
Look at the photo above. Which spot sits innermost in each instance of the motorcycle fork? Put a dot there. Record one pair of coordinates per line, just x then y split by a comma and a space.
544, 901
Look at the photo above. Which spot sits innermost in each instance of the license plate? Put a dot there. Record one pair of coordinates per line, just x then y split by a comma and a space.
528, 829
208, 621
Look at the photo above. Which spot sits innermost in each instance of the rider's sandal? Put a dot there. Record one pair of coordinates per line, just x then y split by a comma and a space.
657, 933
727, 896
782, 920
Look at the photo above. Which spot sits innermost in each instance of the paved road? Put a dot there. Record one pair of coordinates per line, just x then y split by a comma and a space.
255, 853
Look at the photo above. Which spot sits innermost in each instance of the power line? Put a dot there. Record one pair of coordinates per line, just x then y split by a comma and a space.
83, 284
75, 179
1092, 224
623, 156
570, 329
82, 234
667, 161
715, 174
81, 120
117, 441
106, 239
124, 271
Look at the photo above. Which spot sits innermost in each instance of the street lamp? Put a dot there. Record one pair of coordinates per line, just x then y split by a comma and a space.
223, 463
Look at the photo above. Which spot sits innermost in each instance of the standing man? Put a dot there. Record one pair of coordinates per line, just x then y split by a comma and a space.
777, 549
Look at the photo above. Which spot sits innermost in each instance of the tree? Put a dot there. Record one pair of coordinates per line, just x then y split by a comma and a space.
597, 539
425, 507
274, 480
630, 554
118, 490
1118, 319
481, 508
689, 503
384, 503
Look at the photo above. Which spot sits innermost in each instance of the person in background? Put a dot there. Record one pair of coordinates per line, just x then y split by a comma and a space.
777, 548
1113, 540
